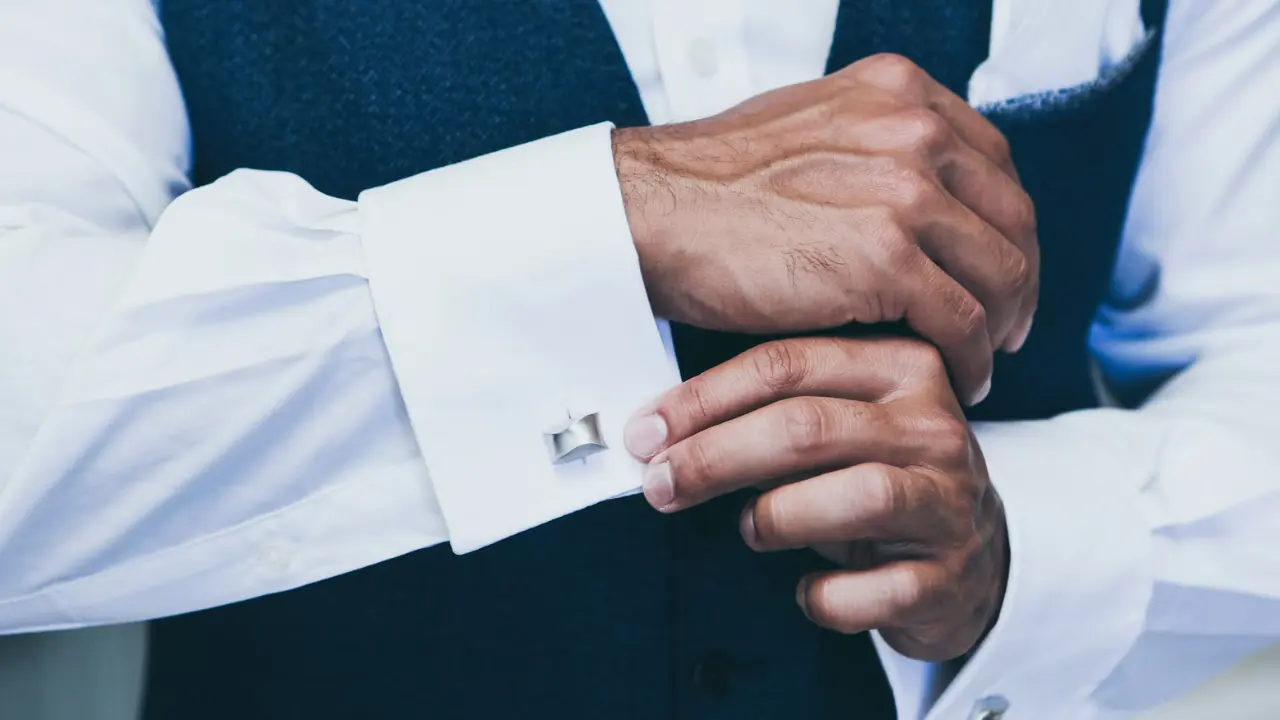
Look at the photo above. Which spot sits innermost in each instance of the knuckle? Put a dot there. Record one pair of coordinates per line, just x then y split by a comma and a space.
807, 425
971, 317
947, 435
823, 603
692, 466
919, 193
879, 489
696, 401
781, 366
924, 356
893, 72
1000, 148
893, 247
909, 594
1024, 215
1017, 275
924, 130
920, 359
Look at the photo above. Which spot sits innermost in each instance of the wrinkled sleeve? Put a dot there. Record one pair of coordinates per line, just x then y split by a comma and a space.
217, 393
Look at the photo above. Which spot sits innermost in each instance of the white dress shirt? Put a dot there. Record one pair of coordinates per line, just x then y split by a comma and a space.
232, 394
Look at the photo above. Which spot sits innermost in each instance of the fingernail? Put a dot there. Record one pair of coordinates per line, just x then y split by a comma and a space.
645, 435
802, 595
659, 488
747, 525
1015, 341
983, 392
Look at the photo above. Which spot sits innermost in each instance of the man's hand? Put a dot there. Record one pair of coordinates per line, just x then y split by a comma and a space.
870, 195
864, 455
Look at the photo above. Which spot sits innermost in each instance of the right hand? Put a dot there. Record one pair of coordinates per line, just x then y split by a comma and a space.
871, 195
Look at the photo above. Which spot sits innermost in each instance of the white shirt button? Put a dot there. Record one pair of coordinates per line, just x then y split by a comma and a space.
703, 58
991, 707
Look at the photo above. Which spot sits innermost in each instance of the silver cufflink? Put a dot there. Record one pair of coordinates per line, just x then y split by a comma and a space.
992, 707
575, 439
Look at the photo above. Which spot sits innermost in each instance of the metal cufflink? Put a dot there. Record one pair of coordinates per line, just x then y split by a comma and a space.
575, 439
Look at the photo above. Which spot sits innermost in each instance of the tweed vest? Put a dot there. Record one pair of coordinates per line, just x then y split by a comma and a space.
615, 612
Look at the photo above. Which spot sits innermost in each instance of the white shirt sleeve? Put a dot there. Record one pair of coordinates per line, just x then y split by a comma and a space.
233, 394
1144, 542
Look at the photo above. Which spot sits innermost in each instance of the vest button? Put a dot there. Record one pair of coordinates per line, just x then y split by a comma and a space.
713, 674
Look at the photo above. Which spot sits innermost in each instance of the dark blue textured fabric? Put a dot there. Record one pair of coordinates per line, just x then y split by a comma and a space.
615, 612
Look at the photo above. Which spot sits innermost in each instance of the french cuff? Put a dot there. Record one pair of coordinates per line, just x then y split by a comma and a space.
510, 299
1080, 577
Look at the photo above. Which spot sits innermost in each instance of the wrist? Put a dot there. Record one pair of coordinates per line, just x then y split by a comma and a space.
650, 201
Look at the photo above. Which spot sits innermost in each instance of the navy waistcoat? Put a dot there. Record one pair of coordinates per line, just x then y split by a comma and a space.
615, 612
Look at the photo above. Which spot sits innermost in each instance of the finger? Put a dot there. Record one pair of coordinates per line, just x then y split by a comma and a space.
786, 438
866, 369
971, 126
976, 131
1002, 204
891, 596
872, 501
981, 259
949, 316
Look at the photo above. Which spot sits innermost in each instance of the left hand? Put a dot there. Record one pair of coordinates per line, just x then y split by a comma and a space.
864, 455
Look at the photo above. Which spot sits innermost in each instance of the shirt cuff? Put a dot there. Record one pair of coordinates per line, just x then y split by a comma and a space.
1080, 578
509, 295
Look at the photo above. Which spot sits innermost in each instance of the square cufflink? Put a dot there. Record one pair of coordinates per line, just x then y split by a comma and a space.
575, 439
